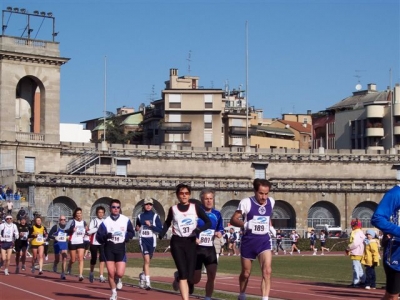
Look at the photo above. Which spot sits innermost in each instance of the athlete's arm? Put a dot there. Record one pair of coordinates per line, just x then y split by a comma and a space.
235, 220
130, 232
92, 227
167, 224
203, 216
101, 235
52, 232
158, 226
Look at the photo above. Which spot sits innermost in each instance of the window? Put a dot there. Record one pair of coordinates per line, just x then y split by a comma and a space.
174, 118
237, 122
207, 144
259, 170
207, 121
174, 101
208, 101
30, 164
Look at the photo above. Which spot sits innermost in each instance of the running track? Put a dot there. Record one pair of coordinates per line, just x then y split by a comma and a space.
48, 286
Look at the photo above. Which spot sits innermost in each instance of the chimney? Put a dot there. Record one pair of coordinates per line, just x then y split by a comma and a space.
371, 87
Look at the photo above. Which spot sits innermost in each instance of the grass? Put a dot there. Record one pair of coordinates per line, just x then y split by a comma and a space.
329, 269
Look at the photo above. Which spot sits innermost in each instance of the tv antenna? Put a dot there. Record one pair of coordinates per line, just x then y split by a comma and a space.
358, 85
189, 59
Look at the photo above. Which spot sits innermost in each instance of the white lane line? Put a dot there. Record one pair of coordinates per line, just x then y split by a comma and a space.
11, 286
79, 288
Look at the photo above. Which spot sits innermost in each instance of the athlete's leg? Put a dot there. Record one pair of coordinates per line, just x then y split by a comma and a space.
40, 253
265, 259
211, 273
244, 274
80, 253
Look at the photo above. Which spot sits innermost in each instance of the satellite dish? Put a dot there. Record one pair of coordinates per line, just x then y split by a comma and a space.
358, 87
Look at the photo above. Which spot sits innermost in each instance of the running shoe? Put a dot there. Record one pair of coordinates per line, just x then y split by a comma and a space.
23, 268
322, 254
62, 276
102, 279
69, 270
175, 284
284, 251
16, 270
33, 269
147, 286
191, 288
142, 280
80, 278
91, 277
46, 257
298, 251
54, 268
40, 272
6, 272
113, 296
291, 253
119, 284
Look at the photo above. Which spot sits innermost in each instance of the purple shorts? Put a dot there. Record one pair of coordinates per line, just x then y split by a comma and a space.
253, 245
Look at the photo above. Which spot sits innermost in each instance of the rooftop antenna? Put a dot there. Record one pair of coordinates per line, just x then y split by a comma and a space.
189, 59
153, 93
358, 85
247, 87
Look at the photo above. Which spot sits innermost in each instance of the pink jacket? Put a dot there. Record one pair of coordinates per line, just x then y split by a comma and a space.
356, 246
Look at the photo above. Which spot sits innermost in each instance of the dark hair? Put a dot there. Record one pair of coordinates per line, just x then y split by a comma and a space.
182, 186
261, 182
206, 191
75, 211
100, 208
115, 201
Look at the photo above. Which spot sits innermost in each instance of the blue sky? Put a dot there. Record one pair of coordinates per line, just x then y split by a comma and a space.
303, 55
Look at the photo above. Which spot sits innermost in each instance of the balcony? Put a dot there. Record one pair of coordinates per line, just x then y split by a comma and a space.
238, 130
153, 113
379, 132
180, 143
29, 137
375, 111
176, 127
376, 148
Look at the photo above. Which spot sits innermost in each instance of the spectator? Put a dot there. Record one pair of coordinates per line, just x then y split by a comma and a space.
356, 250
370, 259
10, 207
21, 214
232, 242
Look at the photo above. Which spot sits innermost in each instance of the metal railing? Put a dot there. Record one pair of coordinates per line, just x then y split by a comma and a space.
83, 160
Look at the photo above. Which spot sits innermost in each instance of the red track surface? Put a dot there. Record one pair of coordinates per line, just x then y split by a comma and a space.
49, 286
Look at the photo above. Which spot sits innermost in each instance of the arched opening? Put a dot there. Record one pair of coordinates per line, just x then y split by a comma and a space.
323, 212
29, 105
61, 206
364, 212
157, 208
105, 202
228, 209
283, 215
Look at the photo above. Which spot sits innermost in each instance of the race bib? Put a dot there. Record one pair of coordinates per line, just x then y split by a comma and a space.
146, 232
117, 237
24, 236
39, 238
62, 237
186, 226
206, 237
80, 231
259, 225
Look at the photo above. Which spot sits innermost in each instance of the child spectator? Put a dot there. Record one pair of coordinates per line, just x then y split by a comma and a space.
370, 259
356, 250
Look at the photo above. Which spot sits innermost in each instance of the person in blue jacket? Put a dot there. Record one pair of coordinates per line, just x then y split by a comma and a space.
387, 219
148, 224
206, 253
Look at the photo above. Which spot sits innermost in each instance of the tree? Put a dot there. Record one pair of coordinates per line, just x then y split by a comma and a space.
115, 130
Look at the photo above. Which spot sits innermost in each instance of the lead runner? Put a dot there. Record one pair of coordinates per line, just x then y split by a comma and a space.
113, 233
256, 212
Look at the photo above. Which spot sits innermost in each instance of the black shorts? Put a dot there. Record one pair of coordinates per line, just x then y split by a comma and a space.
21, 245
392, 280
206, 256
115, 252
6, 245
75, 246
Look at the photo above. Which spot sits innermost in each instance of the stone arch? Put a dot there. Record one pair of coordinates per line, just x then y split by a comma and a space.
157, 208
105, 202
364, 211
60, 206
30, 105
283, 215
228, 209
323, 212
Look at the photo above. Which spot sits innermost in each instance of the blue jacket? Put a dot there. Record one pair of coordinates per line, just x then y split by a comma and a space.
387, 219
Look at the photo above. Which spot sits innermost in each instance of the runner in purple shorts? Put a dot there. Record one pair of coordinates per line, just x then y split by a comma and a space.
256, 212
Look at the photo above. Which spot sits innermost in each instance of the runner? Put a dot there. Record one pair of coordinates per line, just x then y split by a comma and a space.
76, 229
206, 253
313, 238
37, 234
184, 217
279, 237
148, 223
8, 233
322, 238
58, 234
95, 247
21, 244
113, 233
254, 215
295, 238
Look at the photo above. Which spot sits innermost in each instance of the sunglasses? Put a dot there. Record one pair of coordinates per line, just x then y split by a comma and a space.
8, 218
184, 193
63, 219
115, 207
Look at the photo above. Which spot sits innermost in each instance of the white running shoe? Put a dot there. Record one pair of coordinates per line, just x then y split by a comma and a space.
113, 296
291, 253
102, 279
142, 280
322, 254
6, 272
298, 251
119, 284
284, 251
46, 257
315, 253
